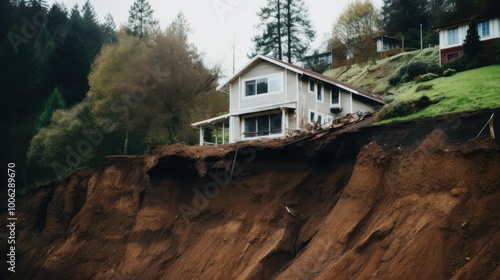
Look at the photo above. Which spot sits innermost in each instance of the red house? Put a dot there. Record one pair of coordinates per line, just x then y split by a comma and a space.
452, 36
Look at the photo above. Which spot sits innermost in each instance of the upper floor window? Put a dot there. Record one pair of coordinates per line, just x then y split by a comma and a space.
316, 88
483, 28
269, 84
452, 36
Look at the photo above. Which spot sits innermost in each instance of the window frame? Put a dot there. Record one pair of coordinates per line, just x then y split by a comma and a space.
280, 76
339, 94
448, 36
258, 133
480, 31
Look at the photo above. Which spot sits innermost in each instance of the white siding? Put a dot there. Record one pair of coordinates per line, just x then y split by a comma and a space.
262, 69
358, 105
291, 86
234, 126
345, 103
462, 33
292, 119
234, 96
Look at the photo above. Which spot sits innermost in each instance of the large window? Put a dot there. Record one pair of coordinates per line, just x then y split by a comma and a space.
452, 36
270, 84
263, 125
483, 28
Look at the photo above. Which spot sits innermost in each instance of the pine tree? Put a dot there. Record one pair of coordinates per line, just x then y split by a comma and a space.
108, 29
285, 30
55, 101
140, 19
472, 44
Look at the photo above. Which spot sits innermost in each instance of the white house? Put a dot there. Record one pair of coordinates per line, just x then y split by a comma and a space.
452, 36
269, 96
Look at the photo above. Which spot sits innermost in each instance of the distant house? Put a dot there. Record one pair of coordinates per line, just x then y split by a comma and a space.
387, 43
269, 96
323, 60
452, 36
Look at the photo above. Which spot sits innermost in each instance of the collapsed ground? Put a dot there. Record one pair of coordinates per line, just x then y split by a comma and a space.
413, 200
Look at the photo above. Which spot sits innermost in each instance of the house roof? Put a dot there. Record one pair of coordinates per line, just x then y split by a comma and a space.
462, 21
302, 71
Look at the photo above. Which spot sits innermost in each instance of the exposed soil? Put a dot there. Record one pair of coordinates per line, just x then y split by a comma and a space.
413, 200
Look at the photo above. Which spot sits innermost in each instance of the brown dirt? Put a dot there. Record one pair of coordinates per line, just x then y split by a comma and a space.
414, 200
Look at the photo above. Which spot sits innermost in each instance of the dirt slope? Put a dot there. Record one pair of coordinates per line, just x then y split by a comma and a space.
413, 200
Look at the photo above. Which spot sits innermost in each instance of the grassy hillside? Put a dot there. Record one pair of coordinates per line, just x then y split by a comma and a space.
375, 76
465, 91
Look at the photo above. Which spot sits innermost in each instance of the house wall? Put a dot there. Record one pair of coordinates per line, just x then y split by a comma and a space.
262, 69
462, 33
361, 104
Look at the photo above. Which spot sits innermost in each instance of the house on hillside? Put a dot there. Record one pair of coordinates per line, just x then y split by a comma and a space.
387, 43
268, 97
452, 36
323, 60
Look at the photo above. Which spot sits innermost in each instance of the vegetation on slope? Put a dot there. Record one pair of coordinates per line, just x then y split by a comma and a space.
375, 76
465, 91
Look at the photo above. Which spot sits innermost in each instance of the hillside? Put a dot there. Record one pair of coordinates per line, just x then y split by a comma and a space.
375, 76
414, 200
471, 90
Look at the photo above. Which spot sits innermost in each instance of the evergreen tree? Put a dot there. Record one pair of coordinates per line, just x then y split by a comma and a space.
140, 20
472, 44
405, 16
109, 29
285, 30
55, 101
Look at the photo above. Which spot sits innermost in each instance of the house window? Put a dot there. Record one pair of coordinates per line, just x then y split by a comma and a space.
319, 120
263, 85
452, 36
263, 125
316, 88
335, 100
311, 86
319, 93
316, 117
483, 28
453, 56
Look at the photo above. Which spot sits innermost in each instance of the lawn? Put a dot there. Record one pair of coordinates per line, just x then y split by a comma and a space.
465, 91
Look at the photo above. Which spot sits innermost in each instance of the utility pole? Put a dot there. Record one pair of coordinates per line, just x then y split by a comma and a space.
421, 42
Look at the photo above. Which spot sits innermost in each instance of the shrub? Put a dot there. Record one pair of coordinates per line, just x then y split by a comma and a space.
394, 80
412, 70
423, 102
403, 108
449, 72
496, 51
426, 77
457, 64
434, 68
423, 87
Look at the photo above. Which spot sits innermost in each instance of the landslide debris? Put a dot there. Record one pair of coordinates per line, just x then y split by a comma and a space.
413, 200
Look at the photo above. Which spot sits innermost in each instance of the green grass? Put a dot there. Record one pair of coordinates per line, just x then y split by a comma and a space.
465, 91
375, 76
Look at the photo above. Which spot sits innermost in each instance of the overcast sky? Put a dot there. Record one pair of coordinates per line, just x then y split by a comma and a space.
216, 24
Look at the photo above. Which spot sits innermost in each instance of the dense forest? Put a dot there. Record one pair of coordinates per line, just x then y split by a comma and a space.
75, 88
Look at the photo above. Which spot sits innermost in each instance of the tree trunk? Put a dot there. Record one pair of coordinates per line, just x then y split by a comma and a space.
289, 21
280, 51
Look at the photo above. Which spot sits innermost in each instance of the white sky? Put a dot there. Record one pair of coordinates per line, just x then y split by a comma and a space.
214, 30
